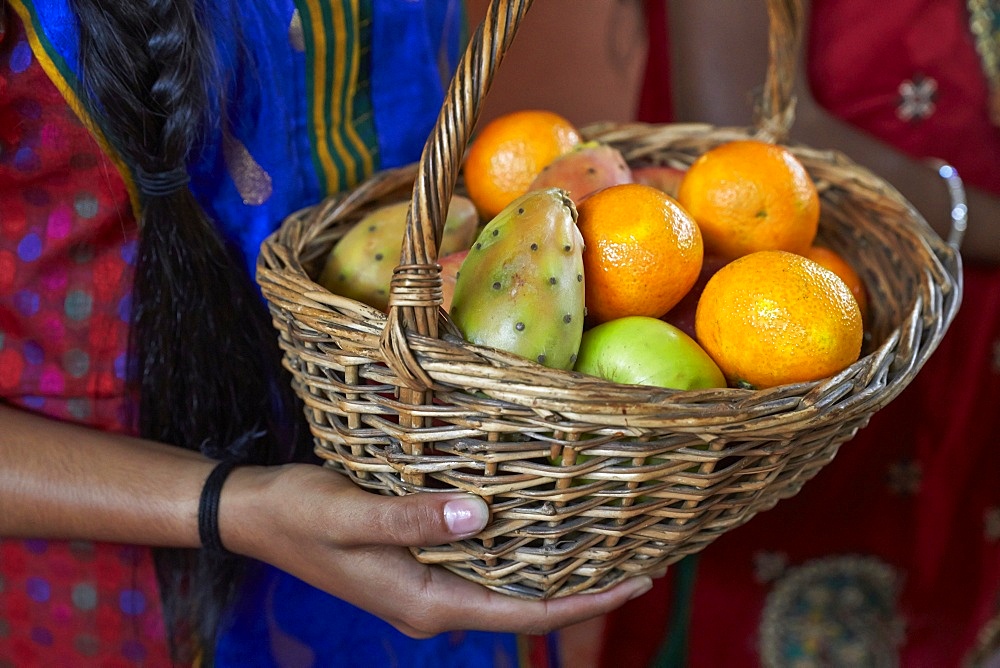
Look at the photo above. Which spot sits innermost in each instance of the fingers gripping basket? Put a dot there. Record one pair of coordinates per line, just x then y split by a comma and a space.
401, 404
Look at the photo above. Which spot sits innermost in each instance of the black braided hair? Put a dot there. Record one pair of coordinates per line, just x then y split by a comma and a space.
204, 363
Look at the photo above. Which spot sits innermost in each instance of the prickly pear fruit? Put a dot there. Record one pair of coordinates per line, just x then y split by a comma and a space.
662, 177
360, 265
585, 170
521, 287
450, 264
460, 226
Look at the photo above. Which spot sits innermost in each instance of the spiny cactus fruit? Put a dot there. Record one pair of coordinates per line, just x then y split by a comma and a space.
450, 264
361, 263
521, 287
586, 169
662, 177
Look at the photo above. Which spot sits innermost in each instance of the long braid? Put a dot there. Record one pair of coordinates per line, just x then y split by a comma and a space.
203, 356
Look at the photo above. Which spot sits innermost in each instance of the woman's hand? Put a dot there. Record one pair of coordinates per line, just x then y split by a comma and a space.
317, 525
63, 481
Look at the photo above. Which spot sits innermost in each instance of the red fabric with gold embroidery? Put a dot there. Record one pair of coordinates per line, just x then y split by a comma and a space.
908, 72
891, 554
67, 238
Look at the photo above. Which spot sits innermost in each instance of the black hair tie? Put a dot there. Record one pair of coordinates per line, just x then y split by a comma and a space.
208, 506
161, 184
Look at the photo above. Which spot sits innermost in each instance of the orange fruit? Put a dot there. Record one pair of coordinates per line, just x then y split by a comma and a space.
835, 262
642, 252
749, 196
510, 151
773, 317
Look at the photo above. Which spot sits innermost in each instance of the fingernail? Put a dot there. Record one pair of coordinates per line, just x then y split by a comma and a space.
465, 516
642, 585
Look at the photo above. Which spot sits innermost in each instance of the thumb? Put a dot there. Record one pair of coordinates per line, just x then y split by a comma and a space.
414, 520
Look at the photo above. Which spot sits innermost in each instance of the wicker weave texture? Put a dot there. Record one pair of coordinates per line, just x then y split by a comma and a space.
588, 481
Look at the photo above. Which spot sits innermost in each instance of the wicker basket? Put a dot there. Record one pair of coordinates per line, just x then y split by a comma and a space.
401, 404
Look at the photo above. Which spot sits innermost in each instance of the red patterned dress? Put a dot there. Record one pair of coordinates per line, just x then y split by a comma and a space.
67, 240
891, 554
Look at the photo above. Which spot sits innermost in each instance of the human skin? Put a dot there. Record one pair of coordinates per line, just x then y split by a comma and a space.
720, 55
64, 481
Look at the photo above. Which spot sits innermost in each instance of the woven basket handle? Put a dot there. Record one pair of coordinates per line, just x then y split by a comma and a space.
415, 291
776, 109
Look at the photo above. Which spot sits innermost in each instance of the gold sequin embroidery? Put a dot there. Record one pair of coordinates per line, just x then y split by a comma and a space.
252, 182
905, 477
991, 525
984, 22
295, 35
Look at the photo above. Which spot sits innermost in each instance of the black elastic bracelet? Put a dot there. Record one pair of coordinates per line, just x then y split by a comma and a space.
208, 506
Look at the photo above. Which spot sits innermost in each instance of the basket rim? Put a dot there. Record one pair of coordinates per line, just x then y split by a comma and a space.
419, 344
515, 381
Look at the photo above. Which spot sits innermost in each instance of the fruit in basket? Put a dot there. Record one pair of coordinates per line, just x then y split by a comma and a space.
773, 317
510, 151
461, 224
663, 177
521, 287
681, 316
586, 169
750, 195
643, 252
450, 264
836, 263
646, 351
360, 264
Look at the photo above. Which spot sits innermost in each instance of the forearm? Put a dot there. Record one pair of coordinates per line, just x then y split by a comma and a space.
59, 480
63, 481
719, 62
917, 180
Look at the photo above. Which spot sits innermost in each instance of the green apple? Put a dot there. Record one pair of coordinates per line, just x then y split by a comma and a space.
639, 350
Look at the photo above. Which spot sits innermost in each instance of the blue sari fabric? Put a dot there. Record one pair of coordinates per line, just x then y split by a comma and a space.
316, 96
284, 622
